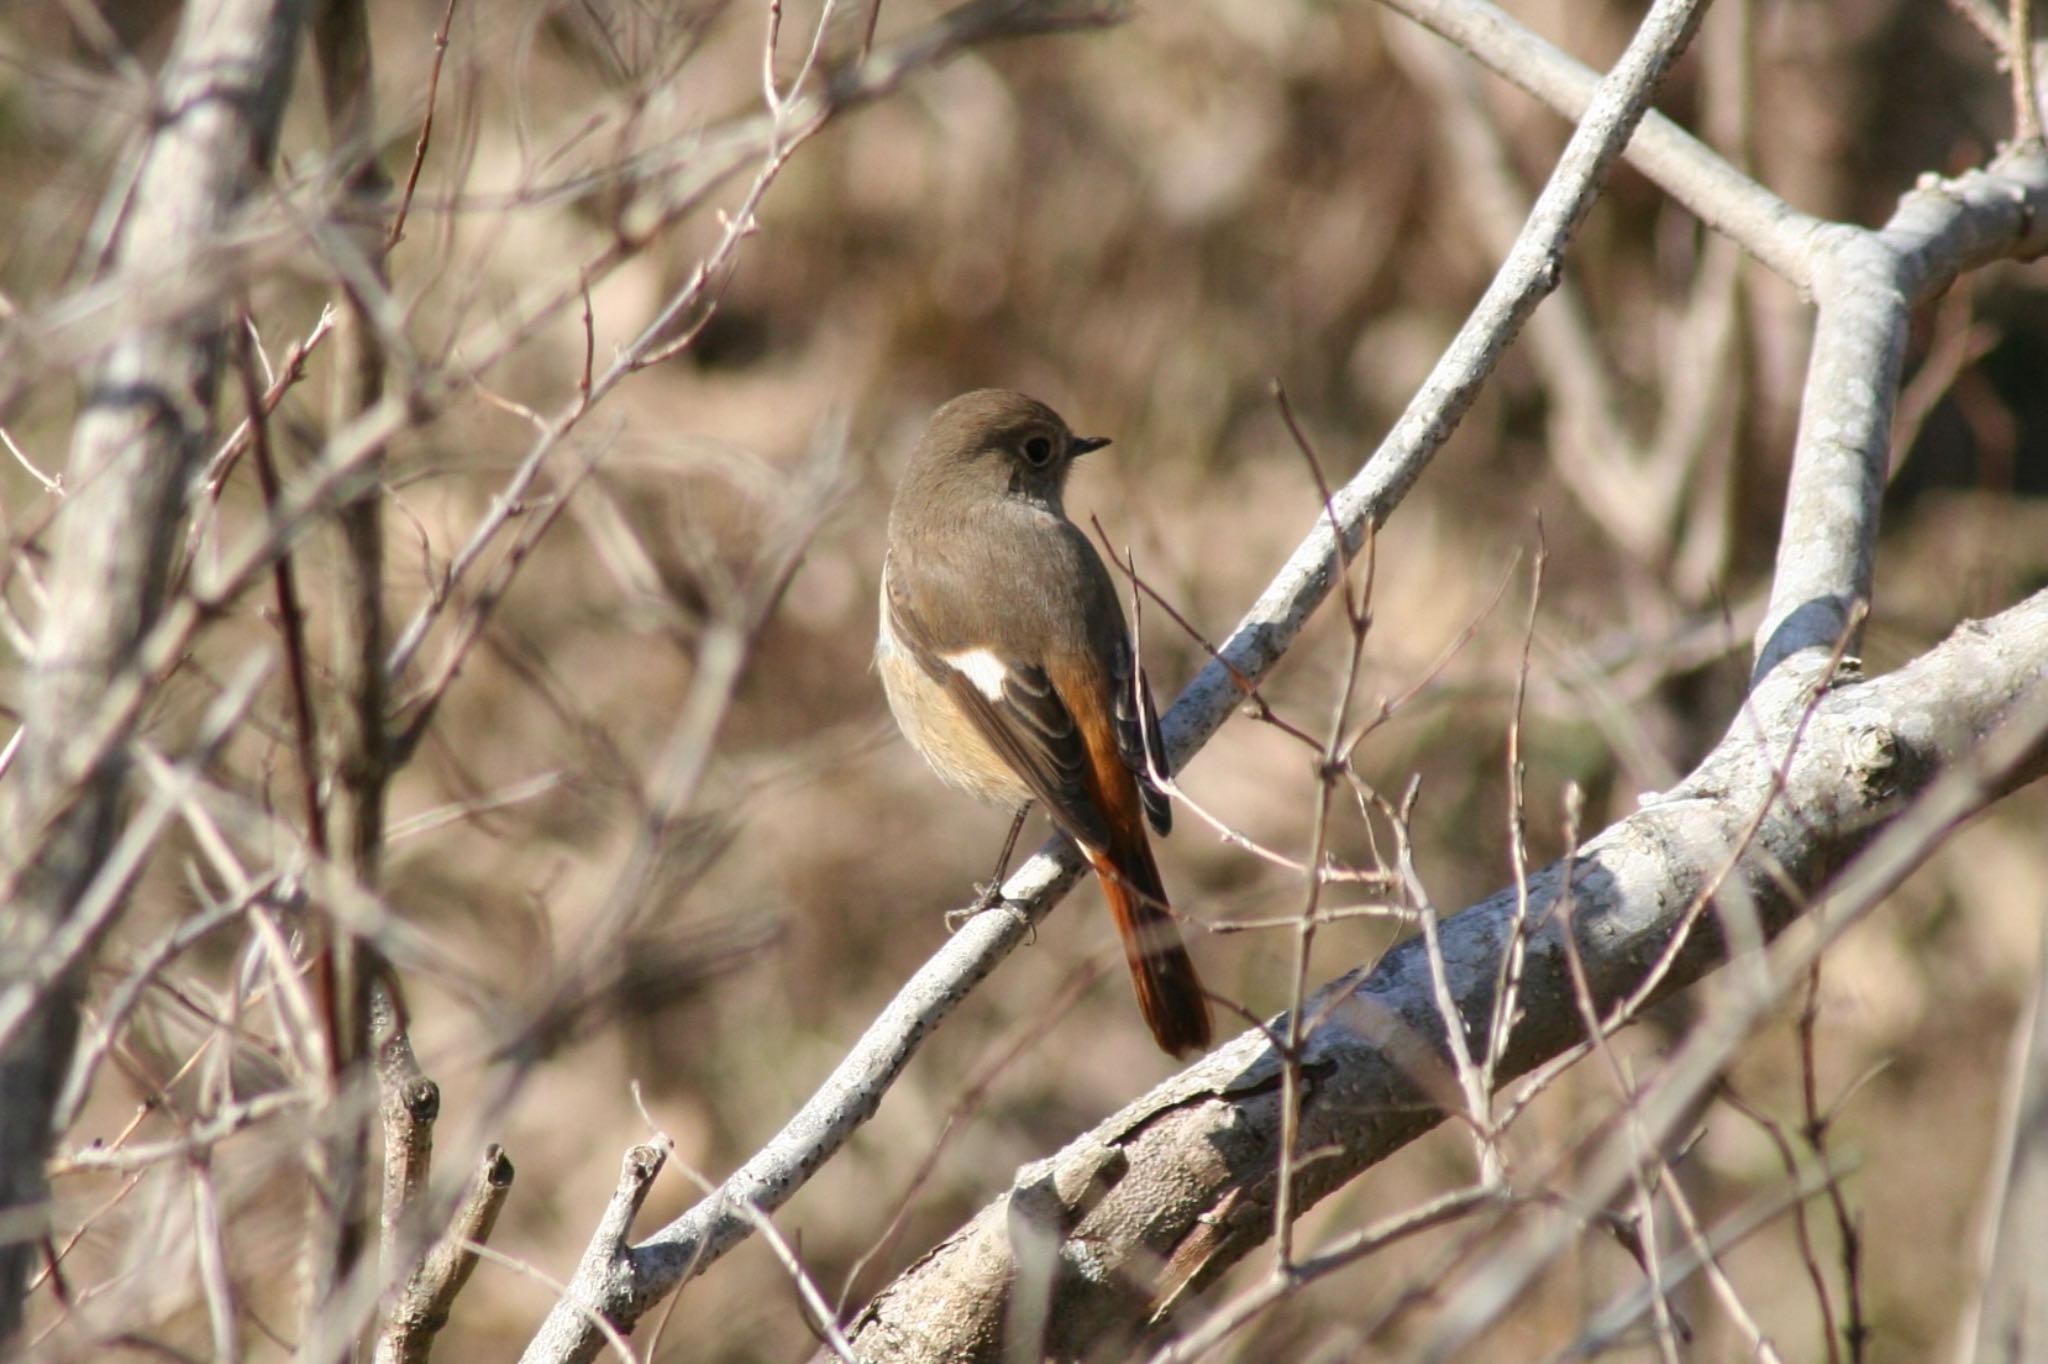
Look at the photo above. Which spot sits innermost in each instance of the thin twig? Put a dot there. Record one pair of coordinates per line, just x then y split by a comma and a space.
972, 1096
1477, 1110
1644, 1242
396, 233
291, 617
114, 1013
1233, 1315
1507, 992
1814, 1130
1255, 703
1802, 1230
210, 1251
202, 1138
1611, 1322
52, 483
610, 1333
2019, 54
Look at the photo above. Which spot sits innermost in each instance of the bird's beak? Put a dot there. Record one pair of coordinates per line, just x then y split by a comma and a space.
1083, 444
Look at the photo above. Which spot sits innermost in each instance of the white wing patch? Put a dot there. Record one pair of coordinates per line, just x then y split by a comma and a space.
885, 638
982, 668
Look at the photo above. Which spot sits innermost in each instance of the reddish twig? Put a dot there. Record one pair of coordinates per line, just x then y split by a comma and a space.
396, 232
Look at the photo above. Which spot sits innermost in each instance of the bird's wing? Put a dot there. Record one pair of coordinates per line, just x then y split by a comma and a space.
1138, 741
1014, 705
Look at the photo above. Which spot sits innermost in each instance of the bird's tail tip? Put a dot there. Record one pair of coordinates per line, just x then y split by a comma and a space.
1170, 994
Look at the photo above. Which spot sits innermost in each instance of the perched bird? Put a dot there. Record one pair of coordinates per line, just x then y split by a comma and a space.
1007, 664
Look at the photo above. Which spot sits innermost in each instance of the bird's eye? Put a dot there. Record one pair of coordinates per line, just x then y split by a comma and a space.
1039, 450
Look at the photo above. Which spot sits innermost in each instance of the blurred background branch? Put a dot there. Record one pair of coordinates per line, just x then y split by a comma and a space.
138, 436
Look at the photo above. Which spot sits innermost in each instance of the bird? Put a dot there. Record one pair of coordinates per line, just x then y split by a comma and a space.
1003, 652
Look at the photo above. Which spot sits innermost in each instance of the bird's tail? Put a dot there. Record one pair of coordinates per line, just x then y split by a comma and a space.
1169, 992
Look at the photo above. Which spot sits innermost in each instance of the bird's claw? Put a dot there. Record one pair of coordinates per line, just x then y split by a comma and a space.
989, 895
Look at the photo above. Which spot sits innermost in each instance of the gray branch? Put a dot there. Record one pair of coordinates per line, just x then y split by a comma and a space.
1866, 284
140, 435
1195, 1158
421, 1306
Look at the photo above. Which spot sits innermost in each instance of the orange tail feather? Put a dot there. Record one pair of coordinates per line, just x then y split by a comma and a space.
1169, 992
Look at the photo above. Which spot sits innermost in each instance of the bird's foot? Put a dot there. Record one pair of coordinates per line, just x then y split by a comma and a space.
989, 895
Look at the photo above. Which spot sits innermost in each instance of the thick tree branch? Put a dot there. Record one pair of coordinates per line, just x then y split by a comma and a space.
1195, 1157
138, 440
2006, 745
1866, 284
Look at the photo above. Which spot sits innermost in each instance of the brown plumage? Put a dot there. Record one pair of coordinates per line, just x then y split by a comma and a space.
1006, 662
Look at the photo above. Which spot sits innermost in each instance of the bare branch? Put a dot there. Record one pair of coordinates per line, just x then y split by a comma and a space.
1956, 778
1685, 168
1865, 285
424, 1302
1198, 1152
1359, 1245
396, 233
37, 979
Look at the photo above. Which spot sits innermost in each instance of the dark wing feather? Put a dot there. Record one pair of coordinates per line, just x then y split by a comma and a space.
1137, 740
1030, 727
